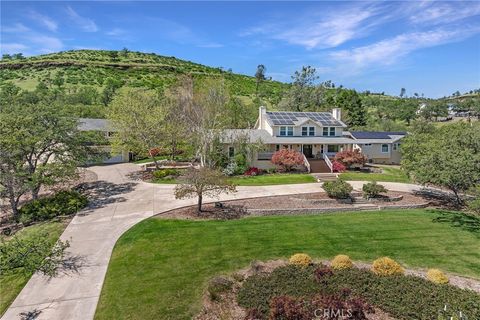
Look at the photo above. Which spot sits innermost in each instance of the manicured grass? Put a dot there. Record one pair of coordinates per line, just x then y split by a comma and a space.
389, 174
12, 284
159, 268
273, 179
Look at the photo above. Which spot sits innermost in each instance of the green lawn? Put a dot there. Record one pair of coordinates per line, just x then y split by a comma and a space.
12, 284
262, 180
159, 268
273, 179
389, 174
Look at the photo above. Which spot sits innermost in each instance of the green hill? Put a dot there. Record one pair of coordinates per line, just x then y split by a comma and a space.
134, 69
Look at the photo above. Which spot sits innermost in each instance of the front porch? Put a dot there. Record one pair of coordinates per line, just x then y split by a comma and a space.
311, 151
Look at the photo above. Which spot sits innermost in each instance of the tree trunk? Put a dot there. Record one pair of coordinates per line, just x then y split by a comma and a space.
35, 191
154, 160
199, 204
14, 206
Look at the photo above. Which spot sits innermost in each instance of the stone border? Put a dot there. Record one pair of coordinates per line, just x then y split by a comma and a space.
293, 211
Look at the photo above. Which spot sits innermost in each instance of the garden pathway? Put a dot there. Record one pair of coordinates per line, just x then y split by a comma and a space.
119, 203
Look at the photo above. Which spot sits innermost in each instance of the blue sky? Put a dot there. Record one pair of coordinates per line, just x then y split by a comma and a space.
427, 47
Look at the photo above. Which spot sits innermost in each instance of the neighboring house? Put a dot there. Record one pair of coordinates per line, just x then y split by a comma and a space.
318, 135
102, 125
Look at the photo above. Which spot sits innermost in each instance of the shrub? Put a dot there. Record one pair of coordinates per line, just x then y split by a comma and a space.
252, 171
287, 159
62, 203
402, 296
301, 259
341, 262
217, 286
372, 190
338, 167
437, 276
338, 189
386, 267
230, 169
322, 272
351, 158
163, 173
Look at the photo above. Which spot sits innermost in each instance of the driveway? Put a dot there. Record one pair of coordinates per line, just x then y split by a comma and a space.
119, 203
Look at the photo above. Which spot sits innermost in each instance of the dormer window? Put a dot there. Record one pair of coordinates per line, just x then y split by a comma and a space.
308, 131
286, 131
329, 131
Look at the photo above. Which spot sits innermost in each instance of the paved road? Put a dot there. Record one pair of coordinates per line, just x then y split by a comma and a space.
119, 204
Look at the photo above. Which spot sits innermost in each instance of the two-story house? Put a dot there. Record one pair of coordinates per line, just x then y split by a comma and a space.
317, 135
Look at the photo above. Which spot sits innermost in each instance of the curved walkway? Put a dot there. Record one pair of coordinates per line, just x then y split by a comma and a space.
119, 204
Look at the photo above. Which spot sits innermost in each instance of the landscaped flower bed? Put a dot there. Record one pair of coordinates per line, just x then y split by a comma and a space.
299, 290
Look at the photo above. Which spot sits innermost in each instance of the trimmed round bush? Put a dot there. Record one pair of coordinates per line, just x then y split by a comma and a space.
386, 267
437, 276
341, 262
337, 189
301, 259
373, 190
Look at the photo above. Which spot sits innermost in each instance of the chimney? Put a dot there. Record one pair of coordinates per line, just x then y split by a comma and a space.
262, 113
337, 114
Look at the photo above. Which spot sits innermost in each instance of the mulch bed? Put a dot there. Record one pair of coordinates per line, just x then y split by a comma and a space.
295, 201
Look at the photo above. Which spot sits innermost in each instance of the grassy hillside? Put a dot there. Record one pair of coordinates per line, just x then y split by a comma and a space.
135, 69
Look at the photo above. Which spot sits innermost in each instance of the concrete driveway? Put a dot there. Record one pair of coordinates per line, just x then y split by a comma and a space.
119, 204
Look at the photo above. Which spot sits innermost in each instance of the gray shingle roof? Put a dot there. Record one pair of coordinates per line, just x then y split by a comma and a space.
292, 118
375, 134
89, 124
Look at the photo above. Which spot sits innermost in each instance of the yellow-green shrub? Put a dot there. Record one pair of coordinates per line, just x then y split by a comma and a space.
386, 267
341, 262
301, 259
437, 276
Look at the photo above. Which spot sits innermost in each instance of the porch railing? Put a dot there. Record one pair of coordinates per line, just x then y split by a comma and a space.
306, 163
328, 162
264, 156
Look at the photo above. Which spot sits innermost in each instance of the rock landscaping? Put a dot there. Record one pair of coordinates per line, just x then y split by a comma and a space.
281, 289
298, 204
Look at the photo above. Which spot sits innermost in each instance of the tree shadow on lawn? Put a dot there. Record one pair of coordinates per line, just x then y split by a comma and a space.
458, 219
101, 193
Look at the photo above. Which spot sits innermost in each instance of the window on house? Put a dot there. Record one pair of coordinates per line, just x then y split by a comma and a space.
304, 131
325, 131
385, 148
367, 145
333, 148
286, 131
311, 131
231, 152
277, 147
396, 146
332, 131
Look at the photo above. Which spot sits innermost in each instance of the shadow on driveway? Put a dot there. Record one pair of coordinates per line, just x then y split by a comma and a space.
102, 193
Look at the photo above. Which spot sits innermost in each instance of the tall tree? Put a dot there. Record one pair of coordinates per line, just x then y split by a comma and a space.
204, 108
259, 77
402, 92
40, 145
304, 94
351, 103
448, 157
138, 116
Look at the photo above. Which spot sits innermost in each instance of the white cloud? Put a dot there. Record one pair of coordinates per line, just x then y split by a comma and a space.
325, 30
434, 13
47, 22
115, 32
389, 51
16, 28
86, 24
12, 48
210, 45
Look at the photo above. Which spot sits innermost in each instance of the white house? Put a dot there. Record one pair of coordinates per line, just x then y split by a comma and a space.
102, 125
317, 135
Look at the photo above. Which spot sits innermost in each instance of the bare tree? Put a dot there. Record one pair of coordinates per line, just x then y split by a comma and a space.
204, 114
203, 182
